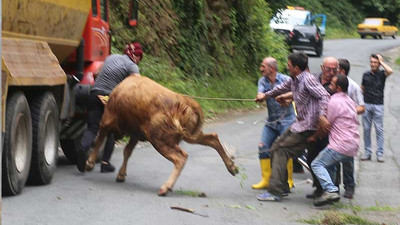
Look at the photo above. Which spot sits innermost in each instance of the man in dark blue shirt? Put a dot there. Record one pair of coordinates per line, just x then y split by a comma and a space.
373, 85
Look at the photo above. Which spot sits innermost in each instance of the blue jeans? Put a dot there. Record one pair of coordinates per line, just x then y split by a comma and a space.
269, 133
373, 114
326, 158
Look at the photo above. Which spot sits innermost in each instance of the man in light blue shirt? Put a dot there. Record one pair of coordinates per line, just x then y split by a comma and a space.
278, 121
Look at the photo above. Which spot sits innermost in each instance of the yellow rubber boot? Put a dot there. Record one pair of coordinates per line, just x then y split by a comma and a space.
289, 167
265, 173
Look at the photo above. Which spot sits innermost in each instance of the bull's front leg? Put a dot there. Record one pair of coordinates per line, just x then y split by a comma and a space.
127, 153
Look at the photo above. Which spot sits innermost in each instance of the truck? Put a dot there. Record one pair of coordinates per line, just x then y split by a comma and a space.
299, 26
50, 53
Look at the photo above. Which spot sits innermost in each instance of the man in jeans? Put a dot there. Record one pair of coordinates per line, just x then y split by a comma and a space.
373, 85
343, 138
311, 101
278, 121
355, 93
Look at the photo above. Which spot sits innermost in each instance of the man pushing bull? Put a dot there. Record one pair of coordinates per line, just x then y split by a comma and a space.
115, 69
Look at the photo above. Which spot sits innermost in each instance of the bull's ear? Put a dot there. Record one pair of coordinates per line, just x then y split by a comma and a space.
133, 13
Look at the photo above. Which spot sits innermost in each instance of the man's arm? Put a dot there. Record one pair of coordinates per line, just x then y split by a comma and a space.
387, 68
285, 99
360, 108
318, 91
280, 89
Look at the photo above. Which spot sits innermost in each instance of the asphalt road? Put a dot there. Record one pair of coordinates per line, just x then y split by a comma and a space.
95, 198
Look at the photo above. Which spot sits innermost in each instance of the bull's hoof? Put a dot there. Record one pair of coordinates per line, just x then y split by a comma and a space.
233, 170
164, 191
89, 165
120, 179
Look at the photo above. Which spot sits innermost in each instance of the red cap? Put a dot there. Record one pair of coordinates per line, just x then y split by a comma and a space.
136, 50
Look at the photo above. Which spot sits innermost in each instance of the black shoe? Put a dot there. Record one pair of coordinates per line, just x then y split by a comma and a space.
107, 168
349, 192
286, 193
81, 160
316, 194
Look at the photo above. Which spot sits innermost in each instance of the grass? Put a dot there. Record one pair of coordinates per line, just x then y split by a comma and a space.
398, 61
242, 176
190, 193
338, 218
337, 33
377, 208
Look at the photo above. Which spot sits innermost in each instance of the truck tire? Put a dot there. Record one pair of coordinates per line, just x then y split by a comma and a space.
17, 148
45, 129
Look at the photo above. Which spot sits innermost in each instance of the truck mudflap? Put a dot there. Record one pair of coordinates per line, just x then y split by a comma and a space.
31, 63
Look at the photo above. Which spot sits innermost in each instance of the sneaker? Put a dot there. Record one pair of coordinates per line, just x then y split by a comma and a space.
327, 198
303, 161
366, 158
316, 194
107, 168
380, 159
81, 160
349, 192
268, 197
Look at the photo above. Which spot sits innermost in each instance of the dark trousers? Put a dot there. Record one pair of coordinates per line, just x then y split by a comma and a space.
288, 145
95, 112
334, 170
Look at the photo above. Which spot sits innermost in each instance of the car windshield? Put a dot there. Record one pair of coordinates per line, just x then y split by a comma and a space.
372, 22
292, 17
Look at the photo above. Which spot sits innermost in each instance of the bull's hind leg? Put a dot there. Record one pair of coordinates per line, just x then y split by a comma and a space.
97, 144
127, 153
178, 157
213, 141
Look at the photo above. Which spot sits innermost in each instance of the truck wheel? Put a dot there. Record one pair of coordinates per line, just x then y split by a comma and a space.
17, 149
362, 36
394, 36
45, 138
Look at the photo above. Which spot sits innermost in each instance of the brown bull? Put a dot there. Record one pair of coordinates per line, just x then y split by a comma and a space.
146, 111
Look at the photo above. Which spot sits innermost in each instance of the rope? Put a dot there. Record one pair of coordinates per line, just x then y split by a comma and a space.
222, 99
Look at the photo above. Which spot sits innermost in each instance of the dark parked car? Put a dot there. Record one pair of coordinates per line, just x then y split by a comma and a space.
300, 29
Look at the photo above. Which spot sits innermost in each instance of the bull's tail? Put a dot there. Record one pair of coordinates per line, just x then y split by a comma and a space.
187, 119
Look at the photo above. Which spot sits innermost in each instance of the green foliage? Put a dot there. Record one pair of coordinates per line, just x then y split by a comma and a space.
398, 61
206, 48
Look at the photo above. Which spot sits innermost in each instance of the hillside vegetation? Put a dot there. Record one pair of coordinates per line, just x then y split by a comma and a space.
213, 48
